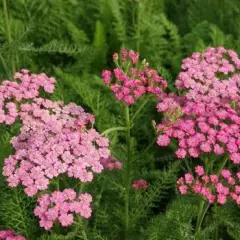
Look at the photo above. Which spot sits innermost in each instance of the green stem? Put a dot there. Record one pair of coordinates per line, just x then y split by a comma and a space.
21, 212
201, 214
106, 132
139, 109
187, 165
80, 225
8, 30
202, 209
127, 170
222, 165
98, 104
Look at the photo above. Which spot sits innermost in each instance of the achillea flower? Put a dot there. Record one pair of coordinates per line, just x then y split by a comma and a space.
10, 235
61, 207
54, 139
163, 140
206, 118
212, 187
140, 184
211, 76
199, 170
132, 79
26, 87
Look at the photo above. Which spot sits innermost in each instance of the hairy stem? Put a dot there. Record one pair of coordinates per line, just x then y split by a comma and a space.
8, 31
127, 170
84, 235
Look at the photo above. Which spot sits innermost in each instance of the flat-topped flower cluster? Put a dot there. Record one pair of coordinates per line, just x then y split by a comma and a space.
54, 139
211, 76
27, 86
206, 116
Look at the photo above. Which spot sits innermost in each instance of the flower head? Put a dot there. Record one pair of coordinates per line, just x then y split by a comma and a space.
140, 184
132, 79
62, 209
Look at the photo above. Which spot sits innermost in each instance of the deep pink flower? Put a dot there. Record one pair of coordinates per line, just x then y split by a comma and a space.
128, 85
199, 170
10, 235
140, 184
215, 188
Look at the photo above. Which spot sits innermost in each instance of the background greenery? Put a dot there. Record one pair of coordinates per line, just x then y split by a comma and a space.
73, 40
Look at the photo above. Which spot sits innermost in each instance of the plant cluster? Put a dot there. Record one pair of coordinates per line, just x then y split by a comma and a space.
136, 155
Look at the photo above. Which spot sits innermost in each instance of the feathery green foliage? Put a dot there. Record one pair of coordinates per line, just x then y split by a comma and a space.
73, 40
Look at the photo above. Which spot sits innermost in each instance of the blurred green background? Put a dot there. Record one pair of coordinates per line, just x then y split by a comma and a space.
79, 36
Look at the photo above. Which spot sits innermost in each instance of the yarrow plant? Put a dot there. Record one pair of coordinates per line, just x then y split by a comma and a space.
10, 235
206, 116
58, 141
129, 81
54, 139
205, 121
111, 163
26, 86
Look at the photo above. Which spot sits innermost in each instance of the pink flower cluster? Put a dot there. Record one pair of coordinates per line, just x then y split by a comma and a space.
60, 206
140, 184
111, 163
215, 187
10, 235
54, 139
132, 79
211, 76
209, 122
27, 86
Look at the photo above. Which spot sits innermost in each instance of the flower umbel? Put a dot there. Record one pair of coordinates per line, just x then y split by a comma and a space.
61, 207
132, 78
